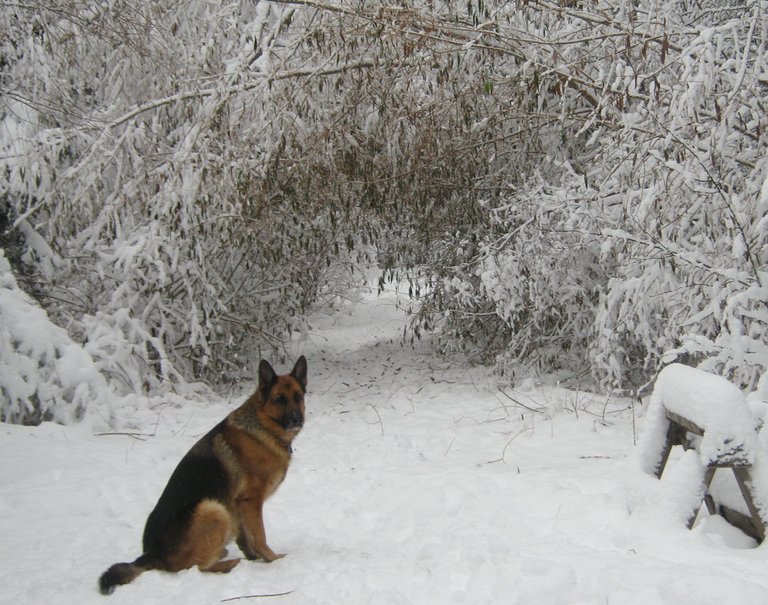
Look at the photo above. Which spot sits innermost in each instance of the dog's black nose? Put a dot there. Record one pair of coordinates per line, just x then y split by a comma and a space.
294, 420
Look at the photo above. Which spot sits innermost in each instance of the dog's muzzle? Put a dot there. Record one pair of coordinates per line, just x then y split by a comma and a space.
293, 422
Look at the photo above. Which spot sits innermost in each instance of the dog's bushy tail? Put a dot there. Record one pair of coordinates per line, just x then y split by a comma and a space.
123, 573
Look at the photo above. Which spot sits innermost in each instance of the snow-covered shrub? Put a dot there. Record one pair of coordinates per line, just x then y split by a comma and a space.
576, 184
531, 289
544, 277
181, 239
650, 134
688, 235
44, 374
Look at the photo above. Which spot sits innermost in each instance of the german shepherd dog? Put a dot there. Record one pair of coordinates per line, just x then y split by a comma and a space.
218, 489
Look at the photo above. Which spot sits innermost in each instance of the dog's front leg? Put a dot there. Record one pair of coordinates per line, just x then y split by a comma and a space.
252, 538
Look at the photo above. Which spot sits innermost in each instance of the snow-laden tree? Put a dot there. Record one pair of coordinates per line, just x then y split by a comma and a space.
148, 159
641, 235
689, 235
580, 184
190, 179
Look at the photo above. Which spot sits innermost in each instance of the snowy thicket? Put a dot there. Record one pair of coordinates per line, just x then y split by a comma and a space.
45, 375
140, 142
638, 234
580, 185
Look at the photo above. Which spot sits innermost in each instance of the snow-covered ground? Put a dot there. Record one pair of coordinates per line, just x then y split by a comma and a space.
415, 480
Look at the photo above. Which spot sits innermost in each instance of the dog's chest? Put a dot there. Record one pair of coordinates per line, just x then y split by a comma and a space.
260, 468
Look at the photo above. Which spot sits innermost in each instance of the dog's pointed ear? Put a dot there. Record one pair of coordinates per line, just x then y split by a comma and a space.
299, 371
267, 376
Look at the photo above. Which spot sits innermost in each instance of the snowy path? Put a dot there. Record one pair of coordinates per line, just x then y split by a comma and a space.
414, 481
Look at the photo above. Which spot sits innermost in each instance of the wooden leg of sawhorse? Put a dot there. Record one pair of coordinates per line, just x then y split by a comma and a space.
675, 436
708, 500
742, 477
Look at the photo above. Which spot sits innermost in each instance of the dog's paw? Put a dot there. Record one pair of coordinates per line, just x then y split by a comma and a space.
269, 555
223, 566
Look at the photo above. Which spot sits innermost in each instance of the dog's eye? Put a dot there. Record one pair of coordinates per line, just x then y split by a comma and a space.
281, 400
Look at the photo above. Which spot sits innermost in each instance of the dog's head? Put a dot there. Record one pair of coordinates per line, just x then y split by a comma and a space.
282, 397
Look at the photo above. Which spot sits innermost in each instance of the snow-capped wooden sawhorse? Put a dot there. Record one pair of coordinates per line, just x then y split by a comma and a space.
707, 413
678, 434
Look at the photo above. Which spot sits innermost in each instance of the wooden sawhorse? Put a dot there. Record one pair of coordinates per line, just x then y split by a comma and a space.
677, 434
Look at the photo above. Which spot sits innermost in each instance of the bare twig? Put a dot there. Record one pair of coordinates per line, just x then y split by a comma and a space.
634, 420
258, 596
539, 410
504, 451
381, 424
138, 436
